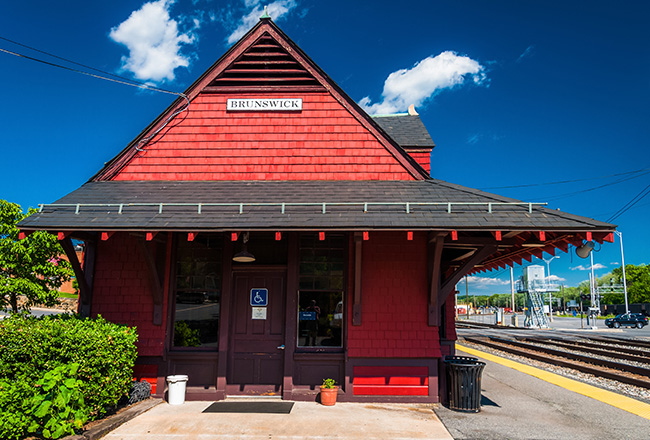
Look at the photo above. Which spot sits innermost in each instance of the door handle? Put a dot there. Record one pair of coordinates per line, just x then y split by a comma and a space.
281, 347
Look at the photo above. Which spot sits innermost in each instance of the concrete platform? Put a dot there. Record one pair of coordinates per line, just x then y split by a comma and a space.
517, 405
306, 421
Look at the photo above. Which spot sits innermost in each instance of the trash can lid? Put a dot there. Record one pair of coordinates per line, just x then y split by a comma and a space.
177, 378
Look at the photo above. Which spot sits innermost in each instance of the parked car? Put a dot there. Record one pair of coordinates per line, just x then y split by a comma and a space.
627, 319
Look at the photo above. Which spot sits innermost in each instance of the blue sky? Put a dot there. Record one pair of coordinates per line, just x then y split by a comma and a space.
516, 94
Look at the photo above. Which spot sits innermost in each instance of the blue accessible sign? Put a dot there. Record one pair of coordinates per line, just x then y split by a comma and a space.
259, 297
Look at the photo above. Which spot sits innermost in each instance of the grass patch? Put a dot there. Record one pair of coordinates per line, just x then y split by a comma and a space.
68, 295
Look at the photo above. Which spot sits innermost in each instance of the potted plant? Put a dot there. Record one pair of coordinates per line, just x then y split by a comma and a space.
328, 392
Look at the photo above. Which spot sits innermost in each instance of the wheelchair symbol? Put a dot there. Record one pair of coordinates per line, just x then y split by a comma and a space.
259, 297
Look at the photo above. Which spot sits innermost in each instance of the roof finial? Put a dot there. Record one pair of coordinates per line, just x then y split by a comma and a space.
412, 111
266, 13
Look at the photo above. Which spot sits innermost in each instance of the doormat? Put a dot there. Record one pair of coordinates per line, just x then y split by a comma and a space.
250, 407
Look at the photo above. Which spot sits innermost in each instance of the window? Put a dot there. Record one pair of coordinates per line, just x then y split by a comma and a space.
198, 291
320, 300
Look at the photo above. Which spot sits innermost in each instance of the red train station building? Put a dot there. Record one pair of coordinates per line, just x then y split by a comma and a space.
265, 233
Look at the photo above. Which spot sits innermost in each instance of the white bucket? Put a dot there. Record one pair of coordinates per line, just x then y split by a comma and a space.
176, 389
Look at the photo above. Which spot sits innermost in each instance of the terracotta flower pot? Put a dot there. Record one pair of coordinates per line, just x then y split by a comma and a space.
328, 395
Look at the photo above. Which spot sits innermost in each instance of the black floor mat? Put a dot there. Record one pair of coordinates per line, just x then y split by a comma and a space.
250, 407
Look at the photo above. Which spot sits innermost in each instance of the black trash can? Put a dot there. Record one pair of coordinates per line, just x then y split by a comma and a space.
464, 384
461, 359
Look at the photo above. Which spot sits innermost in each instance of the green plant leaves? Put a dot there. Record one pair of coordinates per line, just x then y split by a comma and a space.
57, 373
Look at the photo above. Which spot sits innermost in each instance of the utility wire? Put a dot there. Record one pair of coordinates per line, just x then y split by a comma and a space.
72, 62
120, 80
568, 181
92, 75
636, 199
561, 196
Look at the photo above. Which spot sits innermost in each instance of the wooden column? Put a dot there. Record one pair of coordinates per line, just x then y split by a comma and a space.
356, 305
155, 281
291, 316
224, 316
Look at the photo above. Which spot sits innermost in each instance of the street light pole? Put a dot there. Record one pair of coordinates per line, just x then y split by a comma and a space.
548, 282
620, 236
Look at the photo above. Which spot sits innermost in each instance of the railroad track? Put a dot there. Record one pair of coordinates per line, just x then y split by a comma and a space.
597, 357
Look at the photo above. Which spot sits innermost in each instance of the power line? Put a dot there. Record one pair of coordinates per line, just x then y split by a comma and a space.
561, 196
568, 181
123, 81
71, 61
636, 199
120, 80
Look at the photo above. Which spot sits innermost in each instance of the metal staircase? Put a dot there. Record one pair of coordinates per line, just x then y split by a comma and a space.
537, 316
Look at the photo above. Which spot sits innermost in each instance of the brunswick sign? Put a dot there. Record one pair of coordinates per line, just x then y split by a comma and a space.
261, 105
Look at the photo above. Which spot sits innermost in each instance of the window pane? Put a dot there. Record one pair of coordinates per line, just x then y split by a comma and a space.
198, 291
320, 319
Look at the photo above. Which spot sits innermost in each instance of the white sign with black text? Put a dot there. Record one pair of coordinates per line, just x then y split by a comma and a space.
259, 313
264, 104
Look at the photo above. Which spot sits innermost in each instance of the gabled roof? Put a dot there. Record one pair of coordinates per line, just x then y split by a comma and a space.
407, 130
298, 73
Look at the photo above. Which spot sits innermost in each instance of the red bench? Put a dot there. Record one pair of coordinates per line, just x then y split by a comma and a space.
390, 381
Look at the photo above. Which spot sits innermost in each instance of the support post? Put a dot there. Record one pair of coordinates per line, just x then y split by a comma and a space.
155, 283
356, 306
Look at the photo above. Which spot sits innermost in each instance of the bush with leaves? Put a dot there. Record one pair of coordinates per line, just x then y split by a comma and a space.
58, 407
30, 348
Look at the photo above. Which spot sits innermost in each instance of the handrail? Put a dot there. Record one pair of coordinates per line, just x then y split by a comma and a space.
408, 206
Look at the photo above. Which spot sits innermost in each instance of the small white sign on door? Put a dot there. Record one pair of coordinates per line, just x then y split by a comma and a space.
259, 312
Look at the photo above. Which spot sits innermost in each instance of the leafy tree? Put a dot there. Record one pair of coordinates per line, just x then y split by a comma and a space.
638, 282
31, 267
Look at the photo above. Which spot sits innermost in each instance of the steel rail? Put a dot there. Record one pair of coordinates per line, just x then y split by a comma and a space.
613, 352
579, 357
598, 372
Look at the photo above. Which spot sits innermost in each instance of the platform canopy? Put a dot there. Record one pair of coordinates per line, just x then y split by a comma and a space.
469, 218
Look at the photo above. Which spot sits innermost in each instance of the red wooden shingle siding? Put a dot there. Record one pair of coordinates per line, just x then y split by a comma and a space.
121, 291
423, 158
390, 381
322, 142
394, 300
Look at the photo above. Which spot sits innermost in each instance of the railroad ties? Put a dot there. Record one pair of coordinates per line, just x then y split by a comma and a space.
626, 361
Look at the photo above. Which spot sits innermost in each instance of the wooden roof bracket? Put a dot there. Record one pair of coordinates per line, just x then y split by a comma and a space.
84, 275
450, 283
436, 245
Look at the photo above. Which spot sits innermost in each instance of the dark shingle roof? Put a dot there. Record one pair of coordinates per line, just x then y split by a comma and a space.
406, 130
387, 207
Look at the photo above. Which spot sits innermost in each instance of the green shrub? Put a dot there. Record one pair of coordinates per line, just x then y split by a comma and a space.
47, 351
58, 406
14, 395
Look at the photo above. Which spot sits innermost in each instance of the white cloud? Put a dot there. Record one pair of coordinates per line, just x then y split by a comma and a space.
154, 41
276, 9
596, 267
484, 281
557, 278
423, 81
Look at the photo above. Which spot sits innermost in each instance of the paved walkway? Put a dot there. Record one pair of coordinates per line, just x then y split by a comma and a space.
517, 405
307, 420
